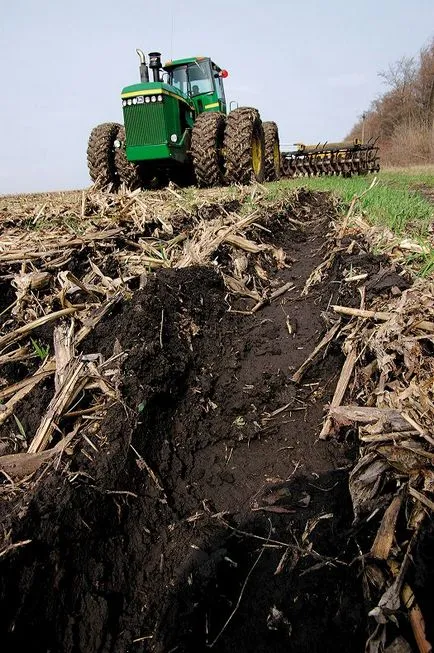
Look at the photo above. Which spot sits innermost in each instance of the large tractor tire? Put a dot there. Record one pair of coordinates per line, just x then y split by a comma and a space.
272, 151
207, 148
128, 172
101, 155
244, 147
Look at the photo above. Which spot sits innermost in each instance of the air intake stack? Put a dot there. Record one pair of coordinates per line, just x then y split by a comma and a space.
155, 65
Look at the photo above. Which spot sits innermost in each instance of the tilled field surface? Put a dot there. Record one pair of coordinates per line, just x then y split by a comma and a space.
167, 481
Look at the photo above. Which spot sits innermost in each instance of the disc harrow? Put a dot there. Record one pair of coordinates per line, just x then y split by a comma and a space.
329, 159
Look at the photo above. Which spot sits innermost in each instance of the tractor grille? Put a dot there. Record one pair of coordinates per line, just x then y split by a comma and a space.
145, 124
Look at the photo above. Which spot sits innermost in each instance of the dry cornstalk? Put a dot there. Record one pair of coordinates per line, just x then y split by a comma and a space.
416, 619
385, 534
341, 388
97, 380
107, 282
317, 274
390, 419
245, 244
63, 351
418, 428
18, 355
8, 408
19, 465
90, 322
297, 376
386, 437
237, 286
74, 381
382, 316
274, 295
74, 281
360, 312
46, 369
27, 253
9, 338
422, 498
11, 547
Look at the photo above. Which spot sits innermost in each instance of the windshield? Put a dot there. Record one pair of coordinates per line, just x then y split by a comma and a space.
193, 78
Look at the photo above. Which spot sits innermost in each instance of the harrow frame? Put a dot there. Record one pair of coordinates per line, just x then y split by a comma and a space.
346, 159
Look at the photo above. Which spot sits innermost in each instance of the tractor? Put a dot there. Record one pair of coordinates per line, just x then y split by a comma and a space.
177, 128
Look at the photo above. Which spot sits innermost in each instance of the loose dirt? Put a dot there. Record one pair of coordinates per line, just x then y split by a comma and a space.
210, 516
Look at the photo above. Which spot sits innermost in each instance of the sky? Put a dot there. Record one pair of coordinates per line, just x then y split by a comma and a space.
310, 65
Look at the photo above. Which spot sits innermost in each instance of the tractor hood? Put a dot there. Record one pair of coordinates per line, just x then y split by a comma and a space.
150, 92
157, 118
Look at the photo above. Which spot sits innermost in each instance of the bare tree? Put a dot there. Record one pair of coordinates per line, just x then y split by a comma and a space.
403, 116
400, 75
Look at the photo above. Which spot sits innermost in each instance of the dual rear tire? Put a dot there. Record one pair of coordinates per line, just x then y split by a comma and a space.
237, 149
244, 146
207, 148
272, 151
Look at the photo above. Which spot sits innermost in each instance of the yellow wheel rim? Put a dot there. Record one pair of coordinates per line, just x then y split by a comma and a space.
276, 157
256, 155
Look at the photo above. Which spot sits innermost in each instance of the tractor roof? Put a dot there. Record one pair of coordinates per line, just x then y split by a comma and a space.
183, 62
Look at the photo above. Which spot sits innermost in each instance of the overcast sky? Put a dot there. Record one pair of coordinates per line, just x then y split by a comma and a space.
310, 65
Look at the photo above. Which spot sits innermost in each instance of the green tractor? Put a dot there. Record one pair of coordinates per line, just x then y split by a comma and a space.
177, 128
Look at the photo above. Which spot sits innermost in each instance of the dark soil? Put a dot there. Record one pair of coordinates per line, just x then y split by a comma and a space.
124, 559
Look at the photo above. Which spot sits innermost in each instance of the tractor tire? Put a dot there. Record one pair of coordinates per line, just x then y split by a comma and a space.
272, 151
206, 148
244, 147
128, 172
101, 156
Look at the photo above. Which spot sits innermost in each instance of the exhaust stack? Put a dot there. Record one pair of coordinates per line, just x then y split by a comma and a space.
144, 72
155, 65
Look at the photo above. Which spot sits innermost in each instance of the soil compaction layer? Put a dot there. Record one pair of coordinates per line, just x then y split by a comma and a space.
206, 514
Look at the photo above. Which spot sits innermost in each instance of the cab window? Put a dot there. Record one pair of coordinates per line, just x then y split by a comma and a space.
193, 78
199, 74
219, 85
179, 79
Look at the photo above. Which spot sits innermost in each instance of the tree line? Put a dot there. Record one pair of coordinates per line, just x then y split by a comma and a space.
403, 116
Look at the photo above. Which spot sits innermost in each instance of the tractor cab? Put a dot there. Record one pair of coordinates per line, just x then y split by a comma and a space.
201, 80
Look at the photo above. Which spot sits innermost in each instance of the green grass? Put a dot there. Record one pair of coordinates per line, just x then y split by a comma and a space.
396, 201
40, 351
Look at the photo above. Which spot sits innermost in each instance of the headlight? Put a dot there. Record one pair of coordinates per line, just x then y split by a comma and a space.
129, 102
174, 138
134, 100
160, 98
116, 144
147, 99
153, 98
124, 103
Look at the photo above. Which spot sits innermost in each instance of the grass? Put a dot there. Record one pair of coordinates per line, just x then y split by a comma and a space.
40, 351
397, 202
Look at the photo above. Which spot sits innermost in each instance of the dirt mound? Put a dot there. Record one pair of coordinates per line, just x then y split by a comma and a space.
205, 513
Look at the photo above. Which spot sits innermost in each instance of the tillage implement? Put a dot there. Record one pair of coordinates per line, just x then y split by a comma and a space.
346, 159
177, 128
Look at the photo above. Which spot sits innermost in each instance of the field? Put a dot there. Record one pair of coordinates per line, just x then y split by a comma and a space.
216, 418
401, 201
